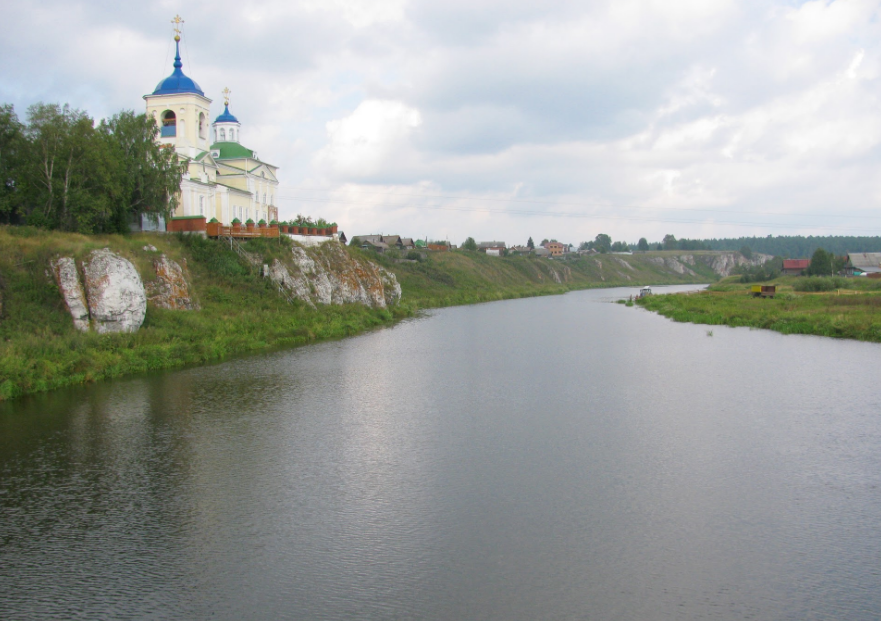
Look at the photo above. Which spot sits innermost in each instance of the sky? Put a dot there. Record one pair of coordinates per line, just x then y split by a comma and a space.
504, 120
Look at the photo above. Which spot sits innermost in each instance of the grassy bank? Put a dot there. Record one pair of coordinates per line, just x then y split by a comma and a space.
838, 308
240, 312
454, 278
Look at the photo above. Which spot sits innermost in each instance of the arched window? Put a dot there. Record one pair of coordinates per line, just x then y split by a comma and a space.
264, 198
203, 127
222, 135
169, 124
201, 205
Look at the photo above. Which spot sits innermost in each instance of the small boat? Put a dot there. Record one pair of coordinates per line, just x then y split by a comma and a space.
645, 291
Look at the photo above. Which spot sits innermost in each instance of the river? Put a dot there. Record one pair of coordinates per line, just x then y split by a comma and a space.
547, 458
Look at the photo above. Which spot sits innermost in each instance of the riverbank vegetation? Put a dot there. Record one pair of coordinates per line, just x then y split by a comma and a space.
240, 313
835, 307
243, 313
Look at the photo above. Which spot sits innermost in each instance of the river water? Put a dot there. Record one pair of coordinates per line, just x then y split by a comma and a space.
547, 458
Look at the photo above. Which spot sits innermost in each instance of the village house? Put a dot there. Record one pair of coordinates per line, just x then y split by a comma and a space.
863, 263
556, 248
795, 267
383, 243
492, 248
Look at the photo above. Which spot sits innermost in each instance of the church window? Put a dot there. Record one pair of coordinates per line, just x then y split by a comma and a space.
201, 205
232, 135
222, 135
169, 124
202, 126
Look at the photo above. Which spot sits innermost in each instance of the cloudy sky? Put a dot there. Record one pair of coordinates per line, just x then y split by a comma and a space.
507, 119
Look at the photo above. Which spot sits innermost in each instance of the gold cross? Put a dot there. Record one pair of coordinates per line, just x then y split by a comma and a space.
177, 21
226, 93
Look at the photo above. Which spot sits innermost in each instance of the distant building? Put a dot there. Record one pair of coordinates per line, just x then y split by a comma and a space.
795, 267
556, 248
859, 263
492, 248
382, 243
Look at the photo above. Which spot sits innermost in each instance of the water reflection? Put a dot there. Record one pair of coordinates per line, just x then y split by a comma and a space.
543, 458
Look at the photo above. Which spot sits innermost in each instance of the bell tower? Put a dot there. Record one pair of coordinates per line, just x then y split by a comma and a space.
179, 107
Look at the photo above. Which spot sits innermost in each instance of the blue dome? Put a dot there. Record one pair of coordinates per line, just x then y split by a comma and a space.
226, 117
177, 82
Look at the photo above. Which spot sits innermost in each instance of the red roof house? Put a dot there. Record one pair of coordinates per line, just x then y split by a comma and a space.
794, 267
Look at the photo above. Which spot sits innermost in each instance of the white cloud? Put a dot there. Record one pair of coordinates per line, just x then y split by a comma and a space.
621, 113
374, 137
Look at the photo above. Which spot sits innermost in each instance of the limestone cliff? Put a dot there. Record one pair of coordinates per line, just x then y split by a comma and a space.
171, 288
723, 263
329, 275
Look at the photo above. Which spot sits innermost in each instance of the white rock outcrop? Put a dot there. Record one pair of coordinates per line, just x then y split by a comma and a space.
328, 275
68, 281
114, 291
724, 263
171, 288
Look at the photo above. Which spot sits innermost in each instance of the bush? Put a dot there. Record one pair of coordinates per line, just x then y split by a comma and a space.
820, 283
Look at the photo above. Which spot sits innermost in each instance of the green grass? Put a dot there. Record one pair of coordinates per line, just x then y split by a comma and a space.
40, 350
852, 313
242, 313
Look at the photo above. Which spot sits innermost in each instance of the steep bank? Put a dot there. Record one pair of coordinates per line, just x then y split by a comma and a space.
452, 278
201, 301
234, 309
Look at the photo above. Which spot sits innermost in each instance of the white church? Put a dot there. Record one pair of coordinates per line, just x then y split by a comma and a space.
222, 179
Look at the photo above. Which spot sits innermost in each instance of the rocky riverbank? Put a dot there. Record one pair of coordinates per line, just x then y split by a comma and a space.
76, 308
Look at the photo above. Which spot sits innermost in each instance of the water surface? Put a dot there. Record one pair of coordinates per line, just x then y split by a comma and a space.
547, 458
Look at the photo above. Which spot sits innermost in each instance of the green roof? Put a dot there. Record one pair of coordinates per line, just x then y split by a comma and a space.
231, 150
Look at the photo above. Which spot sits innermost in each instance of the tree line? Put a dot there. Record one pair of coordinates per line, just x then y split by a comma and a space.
799, 246
787, 246
60, 170
603, 243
